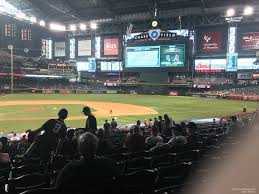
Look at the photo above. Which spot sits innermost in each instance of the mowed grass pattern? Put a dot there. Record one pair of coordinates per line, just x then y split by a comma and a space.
180, 108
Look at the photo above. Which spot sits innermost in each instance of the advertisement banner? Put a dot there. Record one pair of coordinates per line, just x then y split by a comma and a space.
246, 64
173, 93
60, 49
210, 65
84, 48
111, 47
211, 41
244, 76
250, 41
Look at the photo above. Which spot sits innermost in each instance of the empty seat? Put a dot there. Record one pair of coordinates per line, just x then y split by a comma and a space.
173, 175
28, 182
3, 181
163, 160
142, 181
136, 164
41, 191
27, 169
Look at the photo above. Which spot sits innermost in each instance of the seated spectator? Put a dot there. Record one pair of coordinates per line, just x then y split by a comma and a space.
235, 125
114, 124
152, 140
193, 135
88, 174
151, 123
69, 147
135, 142
177, 139
104, 146
15, 138
4, 157
5, 145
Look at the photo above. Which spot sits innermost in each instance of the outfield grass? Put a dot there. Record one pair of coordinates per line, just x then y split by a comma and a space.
180, 108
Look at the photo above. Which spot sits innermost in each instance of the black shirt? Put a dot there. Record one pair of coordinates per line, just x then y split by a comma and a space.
106, 126
91, 124
86, 174
54, 128
136, 143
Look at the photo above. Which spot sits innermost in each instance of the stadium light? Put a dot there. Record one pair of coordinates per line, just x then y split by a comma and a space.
248, 10
230, 12
93, 25
33, 19
72, 27
20, 15
42, 23
82, 27
57, 27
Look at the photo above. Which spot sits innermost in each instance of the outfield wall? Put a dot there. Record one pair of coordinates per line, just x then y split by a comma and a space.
254, 98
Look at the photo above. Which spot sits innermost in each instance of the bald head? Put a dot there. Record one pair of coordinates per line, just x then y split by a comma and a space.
87, 144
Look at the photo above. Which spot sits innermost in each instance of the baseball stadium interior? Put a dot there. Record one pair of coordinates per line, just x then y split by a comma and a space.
129, 97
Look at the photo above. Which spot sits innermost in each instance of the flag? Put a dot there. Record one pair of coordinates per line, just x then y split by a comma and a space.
129, 29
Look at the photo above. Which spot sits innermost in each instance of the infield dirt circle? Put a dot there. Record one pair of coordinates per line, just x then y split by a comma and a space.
102, 108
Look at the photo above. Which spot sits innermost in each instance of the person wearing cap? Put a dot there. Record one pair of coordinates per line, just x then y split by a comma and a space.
51, 140
91, 123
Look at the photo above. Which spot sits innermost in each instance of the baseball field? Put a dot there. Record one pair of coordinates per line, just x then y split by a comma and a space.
20, 112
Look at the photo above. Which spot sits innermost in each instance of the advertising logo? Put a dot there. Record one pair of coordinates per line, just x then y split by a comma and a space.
211, 41
111, 47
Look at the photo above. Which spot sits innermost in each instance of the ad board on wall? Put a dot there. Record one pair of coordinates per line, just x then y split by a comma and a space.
111, 47
84, 48
60, 49
211, 42
250, 41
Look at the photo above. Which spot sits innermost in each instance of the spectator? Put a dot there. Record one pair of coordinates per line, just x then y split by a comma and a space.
5, 145
114, 124
69, 147
161, 124
51, 140
168, 121
156, 122
193, 136
152, 140
106, 126
4, 158
151, 123
104, 147
141, 129
91, 123
235, 125
88, 174
15, 138
135, 142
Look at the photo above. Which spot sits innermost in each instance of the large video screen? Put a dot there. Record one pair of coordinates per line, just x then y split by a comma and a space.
155, 56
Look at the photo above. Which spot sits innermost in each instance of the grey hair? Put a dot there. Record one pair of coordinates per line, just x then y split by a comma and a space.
87, 144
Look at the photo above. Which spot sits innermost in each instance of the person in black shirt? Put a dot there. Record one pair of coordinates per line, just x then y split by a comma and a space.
106, 126
51, 140
91, 174
135, 142
69, 147
91, 123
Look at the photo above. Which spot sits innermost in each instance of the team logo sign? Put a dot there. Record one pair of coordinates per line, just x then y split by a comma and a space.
154, 34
